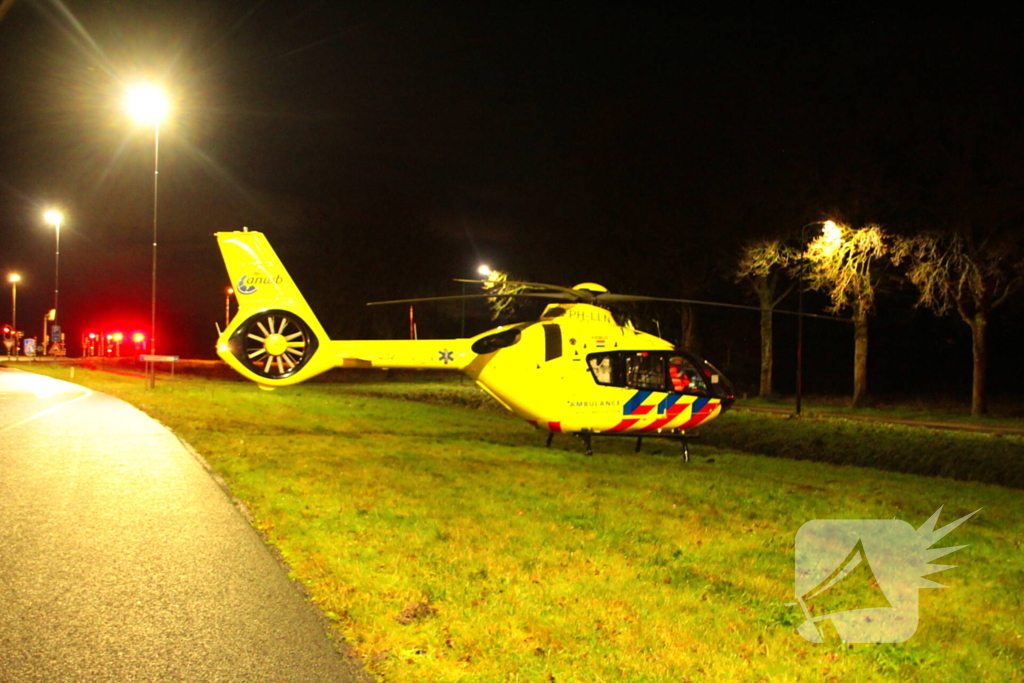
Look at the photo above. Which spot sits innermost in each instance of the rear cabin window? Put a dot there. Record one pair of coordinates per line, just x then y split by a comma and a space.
647, 371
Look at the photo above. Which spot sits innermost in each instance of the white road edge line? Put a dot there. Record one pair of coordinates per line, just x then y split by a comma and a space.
87, 394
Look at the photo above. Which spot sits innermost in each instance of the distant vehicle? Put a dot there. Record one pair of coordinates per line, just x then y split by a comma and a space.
575, 370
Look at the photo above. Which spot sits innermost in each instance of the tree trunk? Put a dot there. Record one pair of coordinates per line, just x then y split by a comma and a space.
860, 359
979, 396
688, 331
766, 352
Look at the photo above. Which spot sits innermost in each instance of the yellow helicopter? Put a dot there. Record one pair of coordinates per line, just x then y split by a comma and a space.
574, 371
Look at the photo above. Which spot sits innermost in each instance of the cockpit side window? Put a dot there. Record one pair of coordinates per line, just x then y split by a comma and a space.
647, 371
685, 378
601, 367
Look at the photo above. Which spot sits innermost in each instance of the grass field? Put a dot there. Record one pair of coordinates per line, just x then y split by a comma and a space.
446, 543
1003, 411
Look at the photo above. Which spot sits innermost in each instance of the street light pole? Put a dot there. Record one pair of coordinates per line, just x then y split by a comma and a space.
14, 278
148, 104
156, 188
799, 343
56, 269
55, 218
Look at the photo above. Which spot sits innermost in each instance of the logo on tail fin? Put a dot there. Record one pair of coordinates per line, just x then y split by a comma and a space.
249, 283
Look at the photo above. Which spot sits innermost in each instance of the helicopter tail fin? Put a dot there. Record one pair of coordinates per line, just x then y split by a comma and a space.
274, 338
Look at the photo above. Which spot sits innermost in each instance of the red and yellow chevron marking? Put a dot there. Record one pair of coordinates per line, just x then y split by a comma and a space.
650, 411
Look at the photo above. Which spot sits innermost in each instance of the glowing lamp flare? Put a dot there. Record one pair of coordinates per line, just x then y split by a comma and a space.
828, 243
147, 103
832, 232
53, 217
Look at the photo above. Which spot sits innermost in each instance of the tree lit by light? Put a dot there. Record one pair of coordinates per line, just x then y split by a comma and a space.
832, 236
827, 244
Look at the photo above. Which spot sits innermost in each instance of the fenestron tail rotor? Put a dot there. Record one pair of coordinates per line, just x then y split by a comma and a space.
274, 344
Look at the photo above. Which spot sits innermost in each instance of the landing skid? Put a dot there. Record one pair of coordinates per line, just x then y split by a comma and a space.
588, 448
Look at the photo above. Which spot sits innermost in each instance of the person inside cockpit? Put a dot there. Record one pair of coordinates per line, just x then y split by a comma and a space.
680, 379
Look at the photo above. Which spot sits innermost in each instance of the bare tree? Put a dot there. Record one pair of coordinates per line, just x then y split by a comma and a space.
498, 282
762, 267
844, 262
953, 271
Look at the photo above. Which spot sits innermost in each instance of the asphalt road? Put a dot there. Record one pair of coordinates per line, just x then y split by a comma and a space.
121, 559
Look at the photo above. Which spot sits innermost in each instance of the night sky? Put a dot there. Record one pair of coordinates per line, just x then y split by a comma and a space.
387, 148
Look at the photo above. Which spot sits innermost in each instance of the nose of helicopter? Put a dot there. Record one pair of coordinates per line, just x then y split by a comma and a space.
720, 386
727, 402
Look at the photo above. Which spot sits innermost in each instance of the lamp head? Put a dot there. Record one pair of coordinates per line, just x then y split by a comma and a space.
831, 231
146, 103
53, 217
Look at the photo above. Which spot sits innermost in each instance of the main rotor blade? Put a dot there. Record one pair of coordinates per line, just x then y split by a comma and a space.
622, 298
532, 285
557, 296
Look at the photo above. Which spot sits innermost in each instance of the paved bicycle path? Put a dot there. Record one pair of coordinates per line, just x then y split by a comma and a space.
121, 559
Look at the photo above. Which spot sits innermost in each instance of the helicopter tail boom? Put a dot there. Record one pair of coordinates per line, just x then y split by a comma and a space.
275, 338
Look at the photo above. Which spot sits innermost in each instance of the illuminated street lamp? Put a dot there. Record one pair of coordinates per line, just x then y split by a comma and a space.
833, 235
147, 104
14, 279
484, 271
89, 343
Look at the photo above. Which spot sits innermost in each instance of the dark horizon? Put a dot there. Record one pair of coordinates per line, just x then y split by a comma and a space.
389, 149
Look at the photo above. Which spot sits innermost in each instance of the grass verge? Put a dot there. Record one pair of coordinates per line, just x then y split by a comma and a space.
447, 544
968, 456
